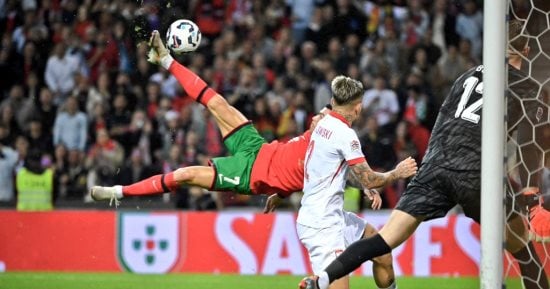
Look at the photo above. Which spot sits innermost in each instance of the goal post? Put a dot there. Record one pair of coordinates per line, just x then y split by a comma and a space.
492, 144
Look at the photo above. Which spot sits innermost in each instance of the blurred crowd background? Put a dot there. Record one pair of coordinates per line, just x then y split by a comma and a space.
81, 106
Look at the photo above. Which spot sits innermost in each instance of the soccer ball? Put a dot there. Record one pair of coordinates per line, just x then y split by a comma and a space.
183, 36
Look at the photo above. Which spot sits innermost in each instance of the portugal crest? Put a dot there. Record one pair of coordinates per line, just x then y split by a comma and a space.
148, 243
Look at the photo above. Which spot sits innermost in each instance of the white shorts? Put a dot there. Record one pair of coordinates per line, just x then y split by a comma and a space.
325, 244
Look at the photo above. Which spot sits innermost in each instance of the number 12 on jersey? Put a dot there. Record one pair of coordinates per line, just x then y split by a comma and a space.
469, 113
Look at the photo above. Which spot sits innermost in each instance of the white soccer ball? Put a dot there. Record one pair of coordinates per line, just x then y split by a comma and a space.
183, 36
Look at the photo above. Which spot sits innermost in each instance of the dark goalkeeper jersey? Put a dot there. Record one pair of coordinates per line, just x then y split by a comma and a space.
455, 142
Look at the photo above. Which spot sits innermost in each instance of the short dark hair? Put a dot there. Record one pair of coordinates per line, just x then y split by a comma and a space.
346, 90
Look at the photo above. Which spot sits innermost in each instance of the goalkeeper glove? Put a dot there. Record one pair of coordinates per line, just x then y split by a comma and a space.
539, 218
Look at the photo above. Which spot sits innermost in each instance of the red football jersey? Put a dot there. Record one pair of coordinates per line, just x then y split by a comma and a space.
279, 167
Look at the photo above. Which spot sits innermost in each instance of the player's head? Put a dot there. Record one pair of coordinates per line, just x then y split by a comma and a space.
517, 39
346, 90
347, 93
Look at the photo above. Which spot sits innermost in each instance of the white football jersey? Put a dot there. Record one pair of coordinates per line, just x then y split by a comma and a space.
334, 146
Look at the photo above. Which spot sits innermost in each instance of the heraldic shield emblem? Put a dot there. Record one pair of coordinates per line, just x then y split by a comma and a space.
147, 242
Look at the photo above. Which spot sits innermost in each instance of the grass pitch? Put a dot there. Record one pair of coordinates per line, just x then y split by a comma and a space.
56, 280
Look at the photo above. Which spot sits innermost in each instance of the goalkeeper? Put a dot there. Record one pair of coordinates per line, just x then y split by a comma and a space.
450, 174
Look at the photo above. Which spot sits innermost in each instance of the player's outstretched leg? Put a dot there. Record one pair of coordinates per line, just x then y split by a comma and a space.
201, 176
227, 117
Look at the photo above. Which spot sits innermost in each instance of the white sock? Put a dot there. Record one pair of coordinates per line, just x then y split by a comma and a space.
323, 280
392, 286
118, 192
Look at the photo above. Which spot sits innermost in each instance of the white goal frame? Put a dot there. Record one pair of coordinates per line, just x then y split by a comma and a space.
492, 144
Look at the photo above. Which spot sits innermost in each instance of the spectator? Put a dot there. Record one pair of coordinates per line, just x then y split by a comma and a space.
323, 94
349, 20
9, 77
416, 110
83, 23
337, 56
466, 52
262, 120
32, 86
46, 109
374, 60
262, 43
245, 93
140, 136
118, 121
8, 160
443, 25
104, 160
382, 103
124, 45
210, 16
167, 82
433, 52
301, 16
403, 146
20, 106
203, 200
70, 181
296, 117
136, 168
321, 28
469, 25
101, 92
70, 127
102, 56
248, 54
38, 139
416, 23
61, 69
172, 131
212, 139
172, 160
377, 145
60, 164
264, 75
453, 65
34, 185
30, 62
21, 145
6, 138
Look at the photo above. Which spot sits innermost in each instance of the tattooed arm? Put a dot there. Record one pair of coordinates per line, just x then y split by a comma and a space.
369, 179
372, 194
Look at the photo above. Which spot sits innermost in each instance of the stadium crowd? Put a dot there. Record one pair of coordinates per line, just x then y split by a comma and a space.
81, 106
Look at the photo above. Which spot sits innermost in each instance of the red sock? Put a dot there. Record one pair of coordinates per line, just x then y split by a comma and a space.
154, 185
195, 87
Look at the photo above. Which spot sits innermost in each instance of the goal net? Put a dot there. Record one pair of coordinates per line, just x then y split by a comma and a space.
528, 133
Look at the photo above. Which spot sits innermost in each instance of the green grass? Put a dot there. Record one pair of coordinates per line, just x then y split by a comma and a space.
27, 280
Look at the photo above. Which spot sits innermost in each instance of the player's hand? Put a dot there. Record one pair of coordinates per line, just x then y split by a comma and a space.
272, 202
406, 168
157, 49
374, 197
